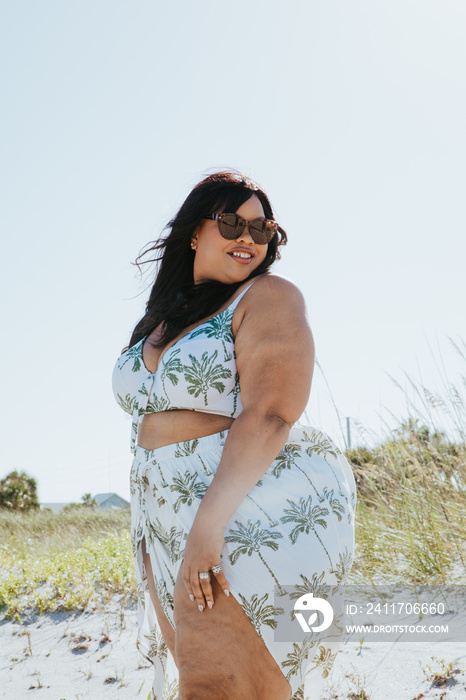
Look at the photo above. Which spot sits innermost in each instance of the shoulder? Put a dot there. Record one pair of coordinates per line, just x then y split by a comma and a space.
272, 290
271, 298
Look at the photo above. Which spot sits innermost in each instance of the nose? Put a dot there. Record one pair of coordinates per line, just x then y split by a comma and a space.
245, 236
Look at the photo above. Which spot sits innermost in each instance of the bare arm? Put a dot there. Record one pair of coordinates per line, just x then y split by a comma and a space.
275, 360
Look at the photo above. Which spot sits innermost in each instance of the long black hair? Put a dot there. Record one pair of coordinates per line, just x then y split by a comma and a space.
175, 300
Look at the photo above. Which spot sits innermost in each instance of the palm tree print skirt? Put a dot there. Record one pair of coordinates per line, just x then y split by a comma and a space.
292, 535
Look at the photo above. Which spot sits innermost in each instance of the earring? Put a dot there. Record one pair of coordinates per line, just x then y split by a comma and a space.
193, 245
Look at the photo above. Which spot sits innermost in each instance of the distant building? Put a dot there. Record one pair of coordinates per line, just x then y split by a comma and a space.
110, 500
103, 500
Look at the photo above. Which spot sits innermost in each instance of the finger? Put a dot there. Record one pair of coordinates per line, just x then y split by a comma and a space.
223, 582
198, 592
207, 590
187, 581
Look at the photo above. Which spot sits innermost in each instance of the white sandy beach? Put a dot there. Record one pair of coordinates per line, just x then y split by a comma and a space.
66, 656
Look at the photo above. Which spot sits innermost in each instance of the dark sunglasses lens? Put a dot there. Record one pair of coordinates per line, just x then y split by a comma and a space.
262, 231
230, 227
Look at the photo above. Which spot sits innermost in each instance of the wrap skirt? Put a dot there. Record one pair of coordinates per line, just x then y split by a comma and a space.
291, 536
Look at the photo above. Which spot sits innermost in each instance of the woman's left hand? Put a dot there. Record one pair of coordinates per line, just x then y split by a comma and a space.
202, 551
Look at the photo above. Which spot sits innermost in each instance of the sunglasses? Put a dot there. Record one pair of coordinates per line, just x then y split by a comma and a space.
231, 226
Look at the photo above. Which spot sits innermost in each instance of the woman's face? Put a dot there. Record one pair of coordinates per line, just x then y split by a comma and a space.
215, 257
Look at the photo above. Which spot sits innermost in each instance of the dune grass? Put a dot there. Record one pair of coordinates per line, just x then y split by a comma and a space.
75, 560
44, 532
410, 521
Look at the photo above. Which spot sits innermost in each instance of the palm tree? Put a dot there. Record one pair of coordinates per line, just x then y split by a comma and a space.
203, 375
187, 448
141, 594
143, 391
286, 458
259, 613
137, 533
343, 567
158, 647
306, 518
134, 431
147, 453
138, 484
134, 353
316, 586
205, 469
322, 445
88, 501
126, 403
299, 695
251, 539
162, 478
324, 658
158, 404
171, 540
171, 691
133, 480
299, 655
218, 327
170, 367
189, 488
334, 503
164, 596
154, 533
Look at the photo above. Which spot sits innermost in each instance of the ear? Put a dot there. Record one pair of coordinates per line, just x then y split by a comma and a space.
194, 238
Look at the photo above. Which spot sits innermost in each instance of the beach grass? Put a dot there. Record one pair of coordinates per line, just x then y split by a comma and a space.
410, 524
75, 560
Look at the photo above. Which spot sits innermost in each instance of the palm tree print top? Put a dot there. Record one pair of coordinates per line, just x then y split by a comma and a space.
198, 372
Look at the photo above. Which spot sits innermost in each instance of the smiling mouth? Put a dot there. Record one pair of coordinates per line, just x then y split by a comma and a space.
241, 256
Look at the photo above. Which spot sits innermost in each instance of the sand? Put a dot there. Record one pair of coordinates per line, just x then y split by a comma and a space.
69, 656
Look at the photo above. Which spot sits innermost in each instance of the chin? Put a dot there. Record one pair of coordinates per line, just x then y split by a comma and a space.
227, 276
239, 276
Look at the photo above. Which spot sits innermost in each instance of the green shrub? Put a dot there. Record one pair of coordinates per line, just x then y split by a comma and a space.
18, 491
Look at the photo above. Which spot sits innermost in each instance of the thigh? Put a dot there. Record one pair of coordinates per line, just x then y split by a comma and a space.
219, 653
168, 633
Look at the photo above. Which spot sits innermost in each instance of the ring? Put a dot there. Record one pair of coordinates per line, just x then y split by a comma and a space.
216, 569
204, 574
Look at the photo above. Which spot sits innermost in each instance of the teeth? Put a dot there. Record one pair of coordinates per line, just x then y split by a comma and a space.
241, 255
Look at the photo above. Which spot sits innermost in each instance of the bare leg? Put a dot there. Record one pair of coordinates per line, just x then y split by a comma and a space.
220, 656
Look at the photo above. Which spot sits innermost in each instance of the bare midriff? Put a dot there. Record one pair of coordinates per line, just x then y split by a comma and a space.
169, 427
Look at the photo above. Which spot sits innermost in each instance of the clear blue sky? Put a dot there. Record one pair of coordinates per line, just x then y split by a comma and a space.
351, 116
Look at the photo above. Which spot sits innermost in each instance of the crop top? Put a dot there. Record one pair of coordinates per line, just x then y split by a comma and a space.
198, 373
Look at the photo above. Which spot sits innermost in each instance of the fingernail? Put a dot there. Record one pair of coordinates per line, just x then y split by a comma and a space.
227, 592
192, 597
210, 604
201, 607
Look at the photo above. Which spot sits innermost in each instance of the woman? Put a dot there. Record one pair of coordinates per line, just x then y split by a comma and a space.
229, 493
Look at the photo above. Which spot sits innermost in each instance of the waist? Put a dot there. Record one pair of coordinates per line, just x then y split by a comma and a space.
169, 427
